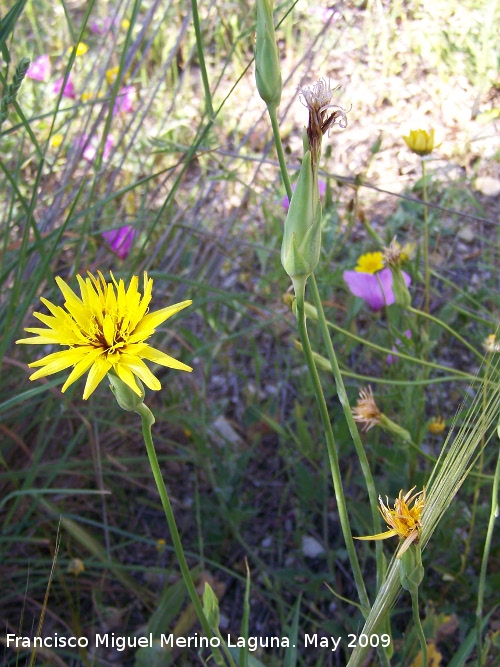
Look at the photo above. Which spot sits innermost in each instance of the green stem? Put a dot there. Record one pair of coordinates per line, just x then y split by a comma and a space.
279, 149
344, 401
444, 326
427, 275
486, 553
332, 452
147, 421
201, 58
418, 626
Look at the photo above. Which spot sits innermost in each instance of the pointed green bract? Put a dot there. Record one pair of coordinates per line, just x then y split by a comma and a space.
301, 245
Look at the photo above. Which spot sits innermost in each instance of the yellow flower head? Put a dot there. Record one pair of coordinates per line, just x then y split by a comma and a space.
75, 566
111, 74
104, 330
366, 411
371, 262
403, 521
436, 425
420, 142
491, 344
56, 140
81, 49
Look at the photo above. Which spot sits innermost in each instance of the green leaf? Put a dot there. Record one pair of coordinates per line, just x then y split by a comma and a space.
291, 652
7, 24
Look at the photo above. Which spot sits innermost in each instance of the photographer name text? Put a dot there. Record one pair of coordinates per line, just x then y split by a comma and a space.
196, 641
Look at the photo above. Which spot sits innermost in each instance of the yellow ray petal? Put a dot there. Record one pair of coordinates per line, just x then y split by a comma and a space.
81, 367
96, 374
152, 320
151, 354
379, 536
139, 368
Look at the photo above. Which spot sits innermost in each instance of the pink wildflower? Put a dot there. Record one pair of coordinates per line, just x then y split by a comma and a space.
285, 202
91, 145
374, 288
69, 88
39, 70
124, 102
101, 27
120, 240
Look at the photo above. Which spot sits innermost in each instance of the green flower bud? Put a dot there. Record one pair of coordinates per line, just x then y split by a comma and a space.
125, 397
267, 64
411, 570
301, 245
400, 288
211, 607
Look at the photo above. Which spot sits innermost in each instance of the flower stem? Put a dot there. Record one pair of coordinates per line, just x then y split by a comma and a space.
147, 421
427, 275
332, 453
201, 58
418, 626
279, 149
344, 401
486, 553
443, 325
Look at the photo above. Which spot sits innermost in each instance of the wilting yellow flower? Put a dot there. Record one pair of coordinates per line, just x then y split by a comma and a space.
366, 411
436, 425
402, 521
491, 344
56, 140
395, 255
434, 657
75, 566
371, 262
111, 74
420, 142
105, 331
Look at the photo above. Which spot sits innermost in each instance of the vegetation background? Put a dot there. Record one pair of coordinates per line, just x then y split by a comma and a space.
239, 440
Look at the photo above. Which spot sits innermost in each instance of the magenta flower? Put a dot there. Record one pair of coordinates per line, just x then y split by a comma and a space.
69, 88
102, 26
120, 240
39, 70
124, 102
91, 145
390, 359
374, 288
285, 202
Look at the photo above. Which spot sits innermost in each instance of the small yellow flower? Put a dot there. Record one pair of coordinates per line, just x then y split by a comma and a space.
81, 49
88, 97
434, 657
56, 140
371, 262
403, 521
491, 344
125, 24
75, 566
160, 545
436, 425
104, 330
420, 142
366, 411
395, 255
111, 74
